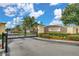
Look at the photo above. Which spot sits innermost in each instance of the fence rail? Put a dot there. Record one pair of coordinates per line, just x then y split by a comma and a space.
6, 36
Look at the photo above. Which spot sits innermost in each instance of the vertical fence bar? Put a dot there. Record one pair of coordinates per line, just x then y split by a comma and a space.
2, 40
6, 43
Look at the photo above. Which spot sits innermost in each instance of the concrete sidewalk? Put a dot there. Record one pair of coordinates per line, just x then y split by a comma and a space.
58, 41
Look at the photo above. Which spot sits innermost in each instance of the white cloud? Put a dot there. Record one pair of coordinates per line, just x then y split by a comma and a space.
9, 24
10, 11
39, 22
51, 4
58, 13
36, 14
14, 22
30, 7
56, 20
25, 8
21, 9
6, 4
3, 5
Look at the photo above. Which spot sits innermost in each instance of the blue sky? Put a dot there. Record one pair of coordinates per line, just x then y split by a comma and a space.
47, 13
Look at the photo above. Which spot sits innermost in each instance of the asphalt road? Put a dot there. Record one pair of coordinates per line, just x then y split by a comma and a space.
0, 54
32, 47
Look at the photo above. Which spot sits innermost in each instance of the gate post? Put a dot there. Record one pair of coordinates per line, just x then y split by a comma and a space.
6, 43
2, 40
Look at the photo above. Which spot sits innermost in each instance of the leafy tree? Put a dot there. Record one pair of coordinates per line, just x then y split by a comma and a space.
28, 23
71, 14
35, 28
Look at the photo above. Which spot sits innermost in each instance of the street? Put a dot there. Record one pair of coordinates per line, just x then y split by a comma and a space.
32, 47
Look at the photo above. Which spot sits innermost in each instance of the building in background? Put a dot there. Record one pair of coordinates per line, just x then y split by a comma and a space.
55, 28
2, 27
41, 28
64, 29
73, 29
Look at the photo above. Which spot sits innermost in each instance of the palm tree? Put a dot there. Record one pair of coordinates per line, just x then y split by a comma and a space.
28, 23
35, 28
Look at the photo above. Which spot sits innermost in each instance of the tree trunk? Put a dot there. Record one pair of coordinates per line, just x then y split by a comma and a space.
37, 31
24, 32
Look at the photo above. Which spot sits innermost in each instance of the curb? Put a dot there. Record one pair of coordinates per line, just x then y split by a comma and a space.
57, 41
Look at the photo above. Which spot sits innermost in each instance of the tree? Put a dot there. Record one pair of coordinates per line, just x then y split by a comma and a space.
71, 14
19, 28
28, 23
35, 28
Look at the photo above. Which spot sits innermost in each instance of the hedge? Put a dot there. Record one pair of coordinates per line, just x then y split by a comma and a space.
53, 35
60, 35
73, 37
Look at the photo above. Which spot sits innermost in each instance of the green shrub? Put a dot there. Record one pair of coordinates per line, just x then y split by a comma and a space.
43, 35
53, 35
57, 34
56, 37
60, 35
73, 37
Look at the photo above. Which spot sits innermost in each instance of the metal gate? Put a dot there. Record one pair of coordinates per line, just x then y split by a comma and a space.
7, 37
4, 43
16, 35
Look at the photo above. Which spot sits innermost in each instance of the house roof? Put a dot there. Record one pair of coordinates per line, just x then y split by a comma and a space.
54, 26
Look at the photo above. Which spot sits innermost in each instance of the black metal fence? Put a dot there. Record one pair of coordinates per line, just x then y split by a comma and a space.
6, 36
5, 42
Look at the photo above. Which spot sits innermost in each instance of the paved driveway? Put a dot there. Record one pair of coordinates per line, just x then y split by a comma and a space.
32, 47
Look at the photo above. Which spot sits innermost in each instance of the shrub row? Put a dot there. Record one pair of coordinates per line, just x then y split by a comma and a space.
53, 35
73, 37
60, 35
